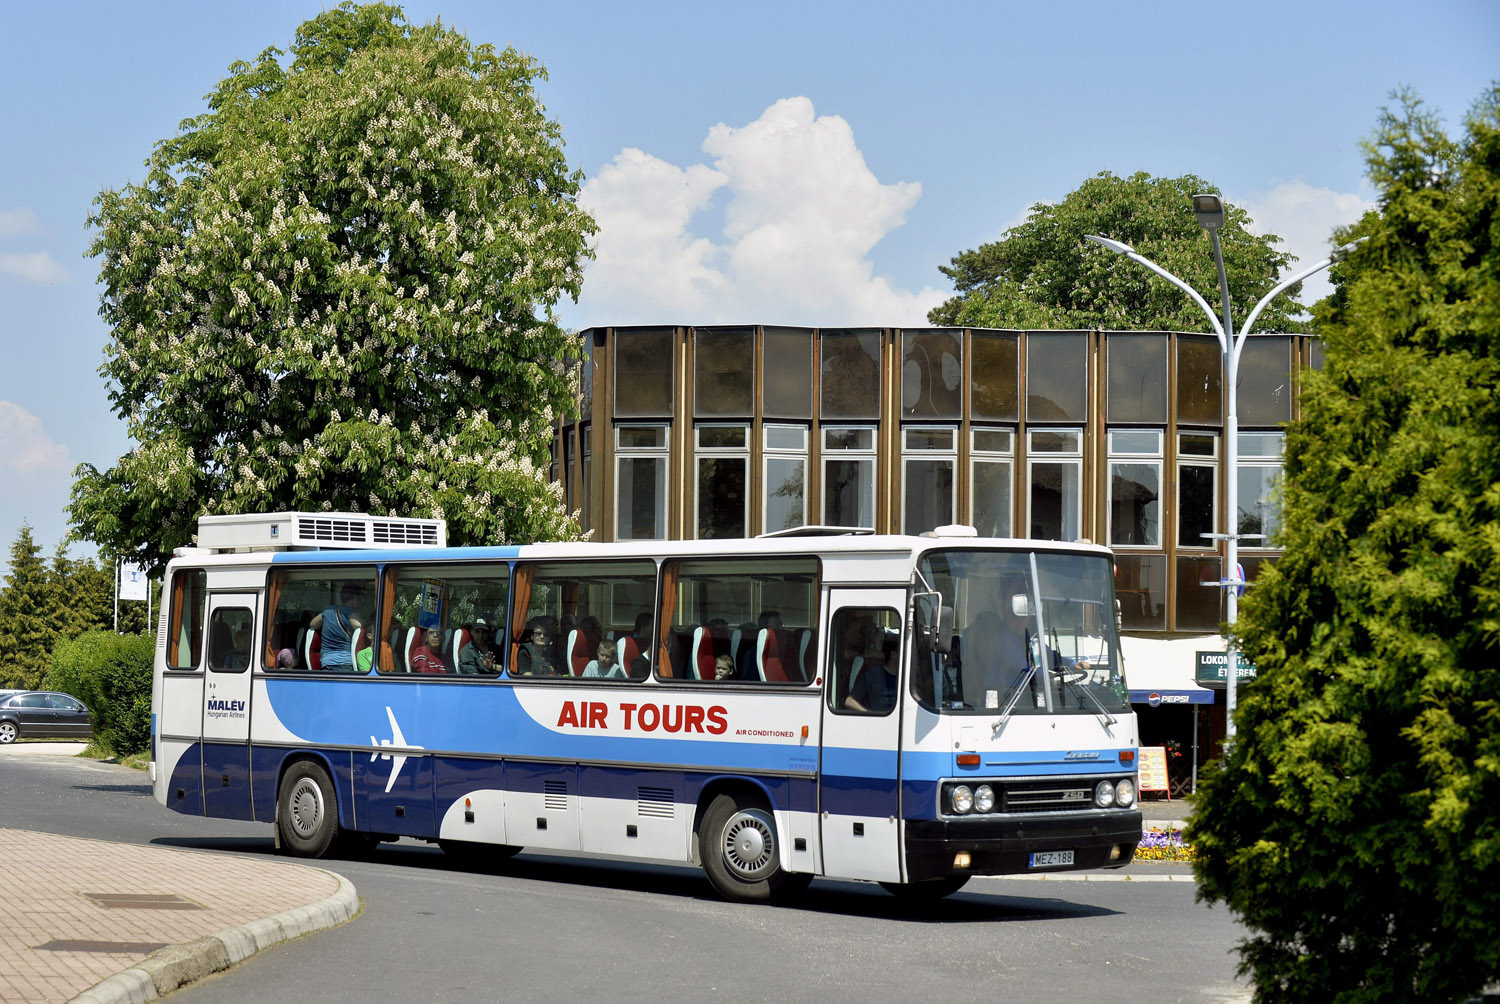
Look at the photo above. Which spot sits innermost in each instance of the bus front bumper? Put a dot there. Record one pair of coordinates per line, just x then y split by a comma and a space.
1004, 844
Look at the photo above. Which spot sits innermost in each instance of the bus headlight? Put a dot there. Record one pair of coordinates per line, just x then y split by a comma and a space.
962, 799
1104, 795
1125, 793
984, 798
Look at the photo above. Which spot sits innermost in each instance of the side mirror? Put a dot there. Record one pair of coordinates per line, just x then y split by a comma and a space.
935, 621
1020, 605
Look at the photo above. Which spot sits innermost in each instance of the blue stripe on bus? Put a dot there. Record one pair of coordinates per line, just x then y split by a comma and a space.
343, 715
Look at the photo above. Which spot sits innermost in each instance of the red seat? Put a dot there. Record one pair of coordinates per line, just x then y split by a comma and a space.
701, 661
578, 652
768, 645
312, 657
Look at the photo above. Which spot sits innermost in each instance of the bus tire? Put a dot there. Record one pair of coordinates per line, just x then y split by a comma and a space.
475, 854
927, 891
307, 812
740, 852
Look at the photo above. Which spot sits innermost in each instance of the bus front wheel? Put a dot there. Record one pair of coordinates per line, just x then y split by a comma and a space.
741, 857
307, 813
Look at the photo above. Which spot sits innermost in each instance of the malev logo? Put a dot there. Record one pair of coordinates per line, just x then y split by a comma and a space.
1081, 755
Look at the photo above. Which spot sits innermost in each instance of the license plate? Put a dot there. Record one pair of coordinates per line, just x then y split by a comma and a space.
1050, 859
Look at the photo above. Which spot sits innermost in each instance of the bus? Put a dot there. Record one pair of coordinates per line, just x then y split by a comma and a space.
906, 710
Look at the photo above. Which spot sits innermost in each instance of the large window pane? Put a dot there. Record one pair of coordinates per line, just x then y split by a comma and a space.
721, 496
994, 392
584, 620
1265, 382
1196, 498
742, 620
786, 365
1137, 378
1141, 588
785, 493
1200, 381
723, 364
1055, 503
185, 623
849, 492
989, 497
1258, 511
1056, 377
932, 374
1135, 504
643, 372
446, 619
850, 371
641, 498
1199, 607
929, 494
330, 615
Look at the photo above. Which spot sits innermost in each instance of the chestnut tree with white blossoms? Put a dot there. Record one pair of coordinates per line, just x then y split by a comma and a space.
334, 290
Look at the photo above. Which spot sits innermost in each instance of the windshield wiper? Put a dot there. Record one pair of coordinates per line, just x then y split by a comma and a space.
1109, 719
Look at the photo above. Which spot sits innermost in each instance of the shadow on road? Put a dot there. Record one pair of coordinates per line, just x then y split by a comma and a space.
828, 897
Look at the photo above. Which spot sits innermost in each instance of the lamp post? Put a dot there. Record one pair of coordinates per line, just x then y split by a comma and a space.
1210, 213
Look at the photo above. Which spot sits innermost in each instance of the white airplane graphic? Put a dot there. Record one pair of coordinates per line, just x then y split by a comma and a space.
396, 740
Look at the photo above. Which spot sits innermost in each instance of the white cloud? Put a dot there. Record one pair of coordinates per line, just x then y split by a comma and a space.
28, 450
35, 266
1304, 217
17, 222
803, 211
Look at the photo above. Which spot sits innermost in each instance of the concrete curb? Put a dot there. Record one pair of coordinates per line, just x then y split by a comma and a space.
178, 965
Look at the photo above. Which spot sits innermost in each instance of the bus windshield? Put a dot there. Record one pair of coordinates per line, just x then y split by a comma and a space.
1033, 634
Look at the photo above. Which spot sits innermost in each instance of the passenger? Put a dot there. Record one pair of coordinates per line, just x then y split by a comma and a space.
874, 691
535, 658
480, 655
428, 657
723, 668
645, 627
238, 656
337, 626
605, 665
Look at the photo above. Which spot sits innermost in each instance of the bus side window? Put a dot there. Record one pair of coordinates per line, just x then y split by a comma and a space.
863, 661
185, 621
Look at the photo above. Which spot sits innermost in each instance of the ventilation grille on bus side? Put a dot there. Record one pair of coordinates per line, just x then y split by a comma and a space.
555, 796
403, 533
657, 802
332, 530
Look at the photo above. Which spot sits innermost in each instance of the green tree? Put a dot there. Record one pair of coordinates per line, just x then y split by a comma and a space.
1355, 825
1043, 274
83, 595
334, 290
26, 625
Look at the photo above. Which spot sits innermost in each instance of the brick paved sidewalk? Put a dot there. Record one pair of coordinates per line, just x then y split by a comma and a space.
80, 911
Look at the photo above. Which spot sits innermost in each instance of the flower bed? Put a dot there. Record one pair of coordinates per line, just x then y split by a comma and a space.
1163, 845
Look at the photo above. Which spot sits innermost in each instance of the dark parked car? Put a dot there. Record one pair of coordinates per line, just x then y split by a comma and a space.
42, 713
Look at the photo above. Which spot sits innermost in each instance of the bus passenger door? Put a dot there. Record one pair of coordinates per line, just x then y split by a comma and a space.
859, 778
226, 705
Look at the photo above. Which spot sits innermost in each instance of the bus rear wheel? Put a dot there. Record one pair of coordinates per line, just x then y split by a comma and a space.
927, 891
307, 814
741, 856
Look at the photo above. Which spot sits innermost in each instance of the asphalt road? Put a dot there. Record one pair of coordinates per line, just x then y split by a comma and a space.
544, 927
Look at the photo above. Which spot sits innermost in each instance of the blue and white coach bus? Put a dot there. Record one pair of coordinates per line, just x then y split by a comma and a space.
905, 710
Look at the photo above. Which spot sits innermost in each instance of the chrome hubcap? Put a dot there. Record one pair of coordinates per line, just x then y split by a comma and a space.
7, 732
750, 844
306, 806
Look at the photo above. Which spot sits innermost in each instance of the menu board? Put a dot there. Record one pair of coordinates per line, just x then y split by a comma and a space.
1153, 760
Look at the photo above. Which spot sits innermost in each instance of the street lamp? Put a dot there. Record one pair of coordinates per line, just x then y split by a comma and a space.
1210, 212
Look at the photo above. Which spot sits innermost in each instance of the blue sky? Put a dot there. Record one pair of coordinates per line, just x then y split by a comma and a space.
783, 163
